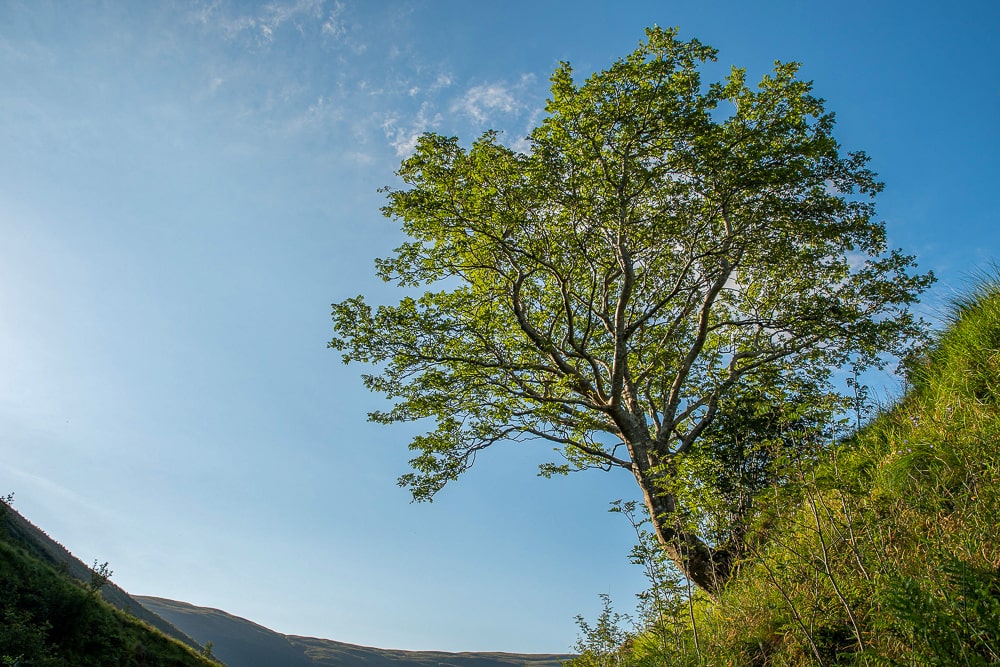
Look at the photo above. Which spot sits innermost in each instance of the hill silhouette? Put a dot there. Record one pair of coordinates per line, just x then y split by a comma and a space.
54, 614
242, 643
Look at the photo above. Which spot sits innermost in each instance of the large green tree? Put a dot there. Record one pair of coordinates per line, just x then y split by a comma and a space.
661, 245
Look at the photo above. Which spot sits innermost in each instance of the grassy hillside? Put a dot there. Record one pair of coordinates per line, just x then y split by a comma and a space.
49, 618
883, 549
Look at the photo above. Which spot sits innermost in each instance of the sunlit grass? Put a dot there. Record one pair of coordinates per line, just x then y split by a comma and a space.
888, 550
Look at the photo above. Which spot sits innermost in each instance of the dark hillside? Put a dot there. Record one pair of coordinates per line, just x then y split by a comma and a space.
325, 653
236, 641
19, 531
51, 618
241, 643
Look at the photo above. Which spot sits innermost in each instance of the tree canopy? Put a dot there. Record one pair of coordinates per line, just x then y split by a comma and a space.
661, 246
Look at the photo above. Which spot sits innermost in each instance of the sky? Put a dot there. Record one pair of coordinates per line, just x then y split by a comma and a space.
185, 188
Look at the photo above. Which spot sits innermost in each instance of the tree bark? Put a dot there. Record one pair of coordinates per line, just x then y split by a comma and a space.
707, 567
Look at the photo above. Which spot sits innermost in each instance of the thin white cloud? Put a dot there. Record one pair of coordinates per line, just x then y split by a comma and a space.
500, 104
522, 143
205, 13
323, 112
263, 26
484, 102
403, 137
480, 101
442, 81
276, 14
333, 24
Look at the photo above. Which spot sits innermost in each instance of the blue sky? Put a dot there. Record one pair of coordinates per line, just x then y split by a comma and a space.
186, 186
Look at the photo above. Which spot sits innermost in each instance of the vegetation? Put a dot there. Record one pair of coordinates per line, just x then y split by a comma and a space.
50, 619
882, 548
663, 251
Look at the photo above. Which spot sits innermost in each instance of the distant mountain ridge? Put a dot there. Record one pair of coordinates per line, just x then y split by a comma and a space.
236, 641
242, 643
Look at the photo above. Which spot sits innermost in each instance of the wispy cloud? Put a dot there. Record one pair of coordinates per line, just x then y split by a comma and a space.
442, 81
333, 24
522, 143
262, 27
499, 105
484, 102
322, 114
273, 16
403, 136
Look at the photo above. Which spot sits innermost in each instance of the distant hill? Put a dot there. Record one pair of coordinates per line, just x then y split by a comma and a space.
241, 643
50, 617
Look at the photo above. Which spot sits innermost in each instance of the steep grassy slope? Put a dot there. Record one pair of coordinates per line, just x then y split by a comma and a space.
49, 618
16, 530
883, 549
241, 643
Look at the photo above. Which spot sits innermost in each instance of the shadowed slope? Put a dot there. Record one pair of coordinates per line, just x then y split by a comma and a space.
241, 643
24, 534
50, 618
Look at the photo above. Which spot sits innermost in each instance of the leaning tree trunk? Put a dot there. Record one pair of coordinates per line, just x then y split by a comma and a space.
707, 567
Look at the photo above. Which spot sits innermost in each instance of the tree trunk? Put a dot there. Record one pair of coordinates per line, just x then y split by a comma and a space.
707, 567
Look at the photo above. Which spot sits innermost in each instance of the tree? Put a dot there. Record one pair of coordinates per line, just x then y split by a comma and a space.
605, 643
660, 245
765, 430
100, 575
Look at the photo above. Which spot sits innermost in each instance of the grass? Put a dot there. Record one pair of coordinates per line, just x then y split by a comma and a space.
883, 551
49, 619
